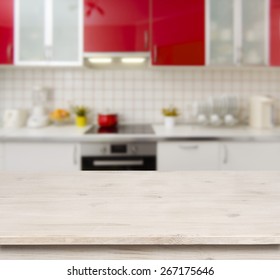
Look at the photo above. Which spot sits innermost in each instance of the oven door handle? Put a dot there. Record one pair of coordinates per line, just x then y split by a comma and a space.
118, 162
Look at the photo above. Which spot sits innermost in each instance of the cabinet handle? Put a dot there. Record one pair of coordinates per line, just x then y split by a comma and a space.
9, 52
155, 54
193, 147
75, 155
225, 154
146, 40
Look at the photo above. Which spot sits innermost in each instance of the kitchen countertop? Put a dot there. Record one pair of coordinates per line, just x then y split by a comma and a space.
180, 132
195, 131
151, 208
49, 132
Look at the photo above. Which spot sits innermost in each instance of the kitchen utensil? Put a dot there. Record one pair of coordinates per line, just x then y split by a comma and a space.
202, 119
230, 120
14, 118
107, 120
215, 120
261, 112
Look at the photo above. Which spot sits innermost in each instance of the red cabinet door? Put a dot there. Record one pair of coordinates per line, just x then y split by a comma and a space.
274, 32
178, 32
6, 31
116, 25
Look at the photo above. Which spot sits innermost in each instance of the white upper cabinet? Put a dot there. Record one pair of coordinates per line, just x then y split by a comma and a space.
48, 32
237, 32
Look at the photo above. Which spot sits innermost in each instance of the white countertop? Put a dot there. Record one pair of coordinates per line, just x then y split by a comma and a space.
179, 132
151, 208
212, 132
49, 131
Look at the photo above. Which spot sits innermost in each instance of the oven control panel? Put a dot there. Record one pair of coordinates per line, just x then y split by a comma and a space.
118, 149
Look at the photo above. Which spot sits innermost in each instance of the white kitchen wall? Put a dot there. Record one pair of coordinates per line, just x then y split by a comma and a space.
137, 95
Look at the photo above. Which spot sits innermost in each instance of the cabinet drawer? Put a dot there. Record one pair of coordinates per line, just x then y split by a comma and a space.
173, 156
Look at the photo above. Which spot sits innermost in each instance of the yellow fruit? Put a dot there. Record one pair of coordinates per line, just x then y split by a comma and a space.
59, 114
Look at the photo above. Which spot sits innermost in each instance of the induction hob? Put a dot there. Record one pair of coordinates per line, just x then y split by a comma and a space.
122, 129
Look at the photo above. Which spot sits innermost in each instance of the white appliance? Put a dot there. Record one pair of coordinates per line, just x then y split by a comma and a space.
38, 118
261, 112
39, 115
14, 118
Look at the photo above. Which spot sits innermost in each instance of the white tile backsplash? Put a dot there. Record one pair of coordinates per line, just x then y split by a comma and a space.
137, 95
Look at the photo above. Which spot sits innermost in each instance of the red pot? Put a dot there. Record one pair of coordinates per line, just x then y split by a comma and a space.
107, 120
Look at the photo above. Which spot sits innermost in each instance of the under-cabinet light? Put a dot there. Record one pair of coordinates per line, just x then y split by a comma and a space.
100, 60
133, 60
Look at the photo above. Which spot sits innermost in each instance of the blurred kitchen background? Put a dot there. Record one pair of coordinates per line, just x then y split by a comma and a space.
139, 85
138, 95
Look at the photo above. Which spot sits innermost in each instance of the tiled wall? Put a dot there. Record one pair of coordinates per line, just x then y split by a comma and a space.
137, 95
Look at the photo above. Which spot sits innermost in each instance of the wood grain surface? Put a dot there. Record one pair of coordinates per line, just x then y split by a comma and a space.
140, 208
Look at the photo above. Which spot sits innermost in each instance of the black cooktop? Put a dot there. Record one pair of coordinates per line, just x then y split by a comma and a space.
122, 129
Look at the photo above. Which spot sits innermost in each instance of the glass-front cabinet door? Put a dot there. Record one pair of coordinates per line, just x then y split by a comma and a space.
48, 32
66, 31
255, 17
220, 32
30, 27
237, 32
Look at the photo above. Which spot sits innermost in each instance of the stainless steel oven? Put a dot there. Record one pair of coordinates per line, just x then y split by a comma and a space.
118, 156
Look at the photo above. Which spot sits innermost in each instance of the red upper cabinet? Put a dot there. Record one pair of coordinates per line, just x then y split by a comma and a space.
116, 25
274, 32
6, 31
178, 32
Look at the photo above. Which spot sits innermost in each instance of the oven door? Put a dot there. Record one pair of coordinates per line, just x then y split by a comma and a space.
119, 163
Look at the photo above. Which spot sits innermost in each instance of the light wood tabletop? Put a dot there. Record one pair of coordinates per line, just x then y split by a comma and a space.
140, 208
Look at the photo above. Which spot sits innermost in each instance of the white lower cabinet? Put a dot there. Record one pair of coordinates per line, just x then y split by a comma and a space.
172, 156
42, 157
250, 156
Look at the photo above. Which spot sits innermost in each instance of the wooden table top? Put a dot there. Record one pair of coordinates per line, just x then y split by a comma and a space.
146, 208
